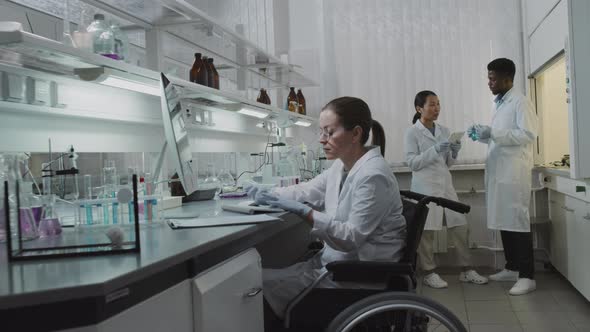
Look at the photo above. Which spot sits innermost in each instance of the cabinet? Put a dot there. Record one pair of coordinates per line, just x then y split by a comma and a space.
228, 296
169, 310
570, 231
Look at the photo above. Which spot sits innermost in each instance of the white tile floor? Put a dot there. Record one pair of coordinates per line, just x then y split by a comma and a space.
555, 306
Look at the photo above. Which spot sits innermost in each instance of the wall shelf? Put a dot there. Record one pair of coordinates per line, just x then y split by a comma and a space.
22, 49
172, 15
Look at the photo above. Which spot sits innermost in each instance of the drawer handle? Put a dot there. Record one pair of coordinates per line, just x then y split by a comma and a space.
253, 292
552, 201
587, 217
567, 209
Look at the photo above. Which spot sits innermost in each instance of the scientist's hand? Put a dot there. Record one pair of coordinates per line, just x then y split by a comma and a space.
455, 147
291, 206
483, 132
442, 147
260, 195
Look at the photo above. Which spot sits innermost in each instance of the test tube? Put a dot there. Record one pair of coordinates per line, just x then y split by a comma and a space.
148, 202
88, 207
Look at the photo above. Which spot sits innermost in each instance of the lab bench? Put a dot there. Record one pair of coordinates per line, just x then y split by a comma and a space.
176, 283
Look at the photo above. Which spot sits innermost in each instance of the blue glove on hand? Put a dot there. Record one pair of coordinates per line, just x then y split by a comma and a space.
442, 147
483, 132
260, 195
291, 206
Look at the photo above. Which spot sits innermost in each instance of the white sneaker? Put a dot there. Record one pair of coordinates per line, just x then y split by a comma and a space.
523, 286
505, 275
435, 281
473, 277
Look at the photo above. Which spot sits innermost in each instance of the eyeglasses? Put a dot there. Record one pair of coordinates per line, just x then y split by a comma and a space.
327, 133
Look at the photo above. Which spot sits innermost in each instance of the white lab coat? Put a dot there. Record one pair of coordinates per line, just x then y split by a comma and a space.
430, 172
363, 221
509, 163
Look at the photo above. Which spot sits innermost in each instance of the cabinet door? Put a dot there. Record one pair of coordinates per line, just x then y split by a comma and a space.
558, 235
573, 208
228, 297
584, 254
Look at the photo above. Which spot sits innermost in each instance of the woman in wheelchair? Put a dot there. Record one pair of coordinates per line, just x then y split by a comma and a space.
362, 209
429, 155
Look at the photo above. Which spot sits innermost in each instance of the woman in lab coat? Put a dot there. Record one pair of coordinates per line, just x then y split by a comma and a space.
429, 155
362, 216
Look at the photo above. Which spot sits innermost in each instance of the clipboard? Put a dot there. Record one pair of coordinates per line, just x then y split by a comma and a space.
456, 136
220, 221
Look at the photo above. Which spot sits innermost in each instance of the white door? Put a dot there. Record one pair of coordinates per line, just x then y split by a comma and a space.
228, 297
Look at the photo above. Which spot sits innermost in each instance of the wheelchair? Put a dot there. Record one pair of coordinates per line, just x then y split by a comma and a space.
395, 308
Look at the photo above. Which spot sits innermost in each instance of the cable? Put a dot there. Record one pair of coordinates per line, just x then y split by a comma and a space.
265, 161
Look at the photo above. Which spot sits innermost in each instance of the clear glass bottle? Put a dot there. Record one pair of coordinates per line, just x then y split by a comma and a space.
121, 42
211, 181
102, 37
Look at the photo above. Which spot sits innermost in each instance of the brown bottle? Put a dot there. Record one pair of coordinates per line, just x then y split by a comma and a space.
260, 98
266, 98
292, 100
207, 70
198, 73
213, 75
301, 101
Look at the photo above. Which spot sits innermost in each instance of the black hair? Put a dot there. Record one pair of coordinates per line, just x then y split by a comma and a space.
503, 67
420, 101
354, 112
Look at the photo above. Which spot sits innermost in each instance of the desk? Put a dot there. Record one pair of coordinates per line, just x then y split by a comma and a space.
71, 292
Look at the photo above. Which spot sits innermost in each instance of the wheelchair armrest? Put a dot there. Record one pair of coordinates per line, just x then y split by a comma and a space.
363, 271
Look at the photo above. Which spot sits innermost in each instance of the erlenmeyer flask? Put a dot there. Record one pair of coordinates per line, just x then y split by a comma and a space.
212, 181
49, 224
28, 225
228, 183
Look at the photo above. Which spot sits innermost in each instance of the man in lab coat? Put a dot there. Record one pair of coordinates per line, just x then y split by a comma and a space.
509, 164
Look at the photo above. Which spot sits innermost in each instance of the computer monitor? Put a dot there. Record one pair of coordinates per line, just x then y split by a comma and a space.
177, 138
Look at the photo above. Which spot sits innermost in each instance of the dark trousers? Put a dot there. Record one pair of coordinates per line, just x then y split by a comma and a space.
518, 251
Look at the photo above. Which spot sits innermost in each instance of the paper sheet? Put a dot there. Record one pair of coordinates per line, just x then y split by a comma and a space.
221, 221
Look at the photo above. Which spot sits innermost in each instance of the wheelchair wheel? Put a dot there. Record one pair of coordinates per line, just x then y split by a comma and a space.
396, 312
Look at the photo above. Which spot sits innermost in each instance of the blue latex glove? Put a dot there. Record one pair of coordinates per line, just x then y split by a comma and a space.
291, 206
483, 132
455, 147
442, 147
260, 195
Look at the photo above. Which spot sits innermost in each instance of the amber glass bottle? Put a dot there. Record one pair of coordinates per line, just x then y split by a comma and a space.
292, 100
207, 70
260, 98
213, 75
266, 98
301, 103
198, 73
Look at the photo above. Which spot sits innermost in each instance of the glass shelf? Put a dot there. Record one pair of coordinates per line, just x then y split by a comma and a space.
20, 48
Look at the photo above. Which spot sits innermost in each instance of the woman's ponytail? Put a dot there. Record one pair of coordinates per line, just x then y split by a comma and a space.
378, 136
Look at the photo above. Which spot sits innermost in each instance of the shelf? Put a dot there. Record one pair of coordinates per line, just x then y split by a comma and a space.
23, 49
172, 15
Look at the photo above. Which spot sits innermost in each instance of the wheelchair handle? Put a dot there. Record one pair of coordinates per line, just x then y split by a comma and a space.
446, 203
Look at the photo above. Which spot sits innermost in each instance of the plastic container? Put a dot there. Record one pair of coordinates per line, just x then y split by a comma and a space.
103, 39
